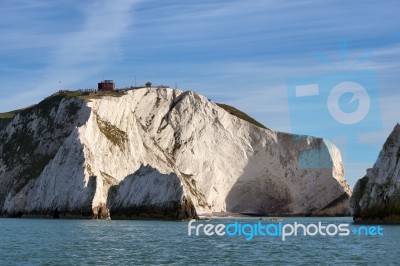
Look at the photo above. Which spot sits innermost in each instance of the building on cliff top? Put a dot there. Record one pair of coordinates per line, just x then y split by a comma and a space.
106, 85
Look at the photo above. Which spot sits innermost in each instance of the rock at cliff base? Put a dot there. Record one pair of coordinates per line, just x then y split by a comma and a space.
376, 197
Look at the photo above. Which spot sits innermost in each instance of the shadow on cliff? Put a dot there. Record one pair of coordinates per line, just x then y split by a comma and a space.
67, 193
258, 195
266, 188
258, 191
149, 194
50, 198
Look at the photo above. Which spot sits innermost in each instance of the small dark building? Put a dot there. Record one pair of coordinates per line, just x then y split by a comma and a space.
106, 85
148, 84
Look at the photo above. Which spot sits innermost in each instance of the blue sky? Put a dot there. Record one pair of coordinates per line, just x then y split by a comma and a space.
241, 53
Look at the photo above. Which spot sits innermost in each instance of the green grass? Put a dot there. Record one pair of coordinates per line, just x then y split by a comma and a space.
73, 109
6, 115
233, 111
10, 115
114, 134
89, 95
49, 102
37, 167
99, 95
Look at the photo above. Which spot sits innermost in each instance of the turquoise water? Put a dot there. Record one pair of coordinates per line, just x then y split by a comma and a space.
89, 242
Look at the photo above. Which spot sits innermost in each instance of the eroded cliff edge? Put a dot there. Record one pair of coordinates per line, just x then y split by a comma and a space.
161, 153
376, 197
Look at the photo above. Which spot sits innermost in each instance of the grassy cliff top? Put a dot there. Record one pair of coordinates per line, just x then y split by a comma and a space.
233, 111
7, 115
48, 102
57, 97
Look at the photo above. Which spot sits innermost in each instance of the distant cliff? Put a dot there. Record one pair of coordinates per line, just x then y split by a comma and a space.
160, 153
376, 197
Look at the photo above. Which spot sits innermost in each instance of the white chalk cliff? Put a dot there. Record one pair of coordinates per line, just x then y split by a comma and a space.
161, 153
376, 197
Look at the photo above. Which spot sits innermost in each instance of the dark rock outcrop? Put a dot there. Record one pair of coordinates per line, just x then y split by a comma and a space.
376, 196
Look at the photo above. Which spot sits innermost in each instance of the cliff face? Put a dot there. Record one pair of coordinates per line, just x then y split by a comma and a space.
161, 153
376, 196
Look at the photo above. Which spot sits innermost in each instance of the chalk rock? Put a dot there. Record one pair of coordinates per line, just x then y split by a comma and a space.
161, 153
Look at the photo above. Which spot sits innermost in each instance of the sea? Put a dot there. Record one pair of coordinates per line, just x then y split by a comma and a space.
28, 241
